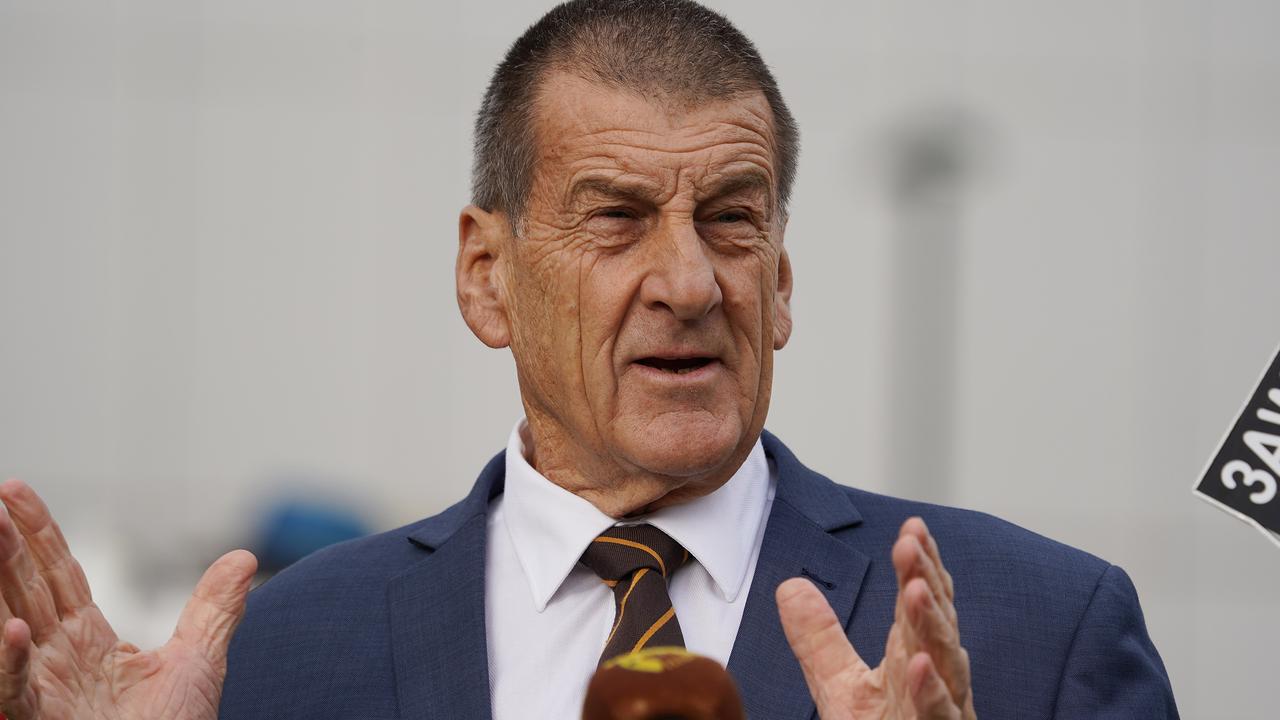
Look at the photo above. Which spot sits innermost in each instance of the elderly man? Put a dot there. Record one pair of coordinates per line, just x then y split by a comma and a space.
633, 162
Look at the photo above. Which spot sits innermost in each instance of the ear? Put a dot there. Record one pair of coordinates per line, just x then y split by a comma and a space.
782, 302
482, 237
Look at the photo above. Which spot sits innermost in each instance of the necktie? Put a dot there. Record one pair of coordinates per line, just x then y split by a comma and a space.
636, 561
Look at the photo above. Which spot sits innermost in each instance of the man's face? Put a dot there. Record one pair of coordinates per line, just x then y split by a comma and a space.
648, 286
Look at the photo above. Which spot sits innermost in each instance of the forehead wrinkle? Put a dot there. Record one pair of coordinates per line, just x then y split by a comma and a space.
758, 136
687, 120
648, 175
685, 139
657, 163
695, 145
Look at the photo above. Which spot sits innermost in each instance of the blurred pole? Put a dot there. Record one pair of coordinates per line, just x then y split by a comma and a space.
931, 158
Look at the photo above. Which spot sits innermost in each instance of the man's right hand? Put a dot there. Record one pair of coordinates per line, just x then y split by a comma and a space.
60, 659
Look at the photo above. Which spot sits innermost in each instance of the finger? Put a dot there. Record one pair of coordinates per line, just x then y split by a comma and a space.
53, 559
24, 590
910, 560
939, 638
817, 639
17, 696
916, 526
216, 606
928, 693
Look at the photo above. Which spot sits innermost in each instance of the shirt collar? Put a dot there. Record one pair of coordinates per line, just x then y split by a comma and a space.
551, 527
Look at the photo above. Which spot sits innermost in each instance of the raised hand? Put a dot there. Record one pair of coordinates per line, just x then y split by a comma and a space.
60, 659
925, 671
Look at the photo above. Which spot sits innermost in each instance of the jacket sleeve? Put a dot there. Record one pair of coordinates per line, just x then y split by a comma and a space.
1112, 669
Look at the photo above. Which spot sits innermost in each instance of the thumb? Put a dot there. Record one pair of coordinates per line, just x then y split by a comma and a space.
216, 606
817, 639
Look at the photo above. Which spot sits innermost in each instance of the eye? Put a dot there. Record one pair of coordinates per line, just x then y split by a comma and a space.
614, 227
731, 216
617, 214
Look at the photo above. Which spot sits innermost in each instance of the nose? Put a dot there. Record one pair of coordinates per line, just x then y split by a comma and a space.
682, 278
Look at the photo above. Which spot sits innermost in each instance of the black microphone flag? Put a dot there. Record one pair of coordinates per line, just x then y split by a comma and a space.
1242, 477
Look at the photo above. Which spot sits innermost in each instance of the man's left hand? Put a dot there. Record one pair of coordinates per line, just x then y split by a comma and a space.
925, 671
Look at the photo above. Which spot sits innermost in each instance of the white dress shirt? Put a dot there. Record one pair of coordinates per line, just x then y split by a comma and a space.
547, 616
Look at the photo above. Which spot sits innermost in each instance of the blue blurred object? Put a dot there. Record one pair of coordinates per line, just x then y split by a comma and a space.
294, 529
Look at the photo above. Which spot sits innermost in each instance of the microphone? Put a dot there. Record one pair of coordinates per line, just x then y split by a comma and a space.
662, 683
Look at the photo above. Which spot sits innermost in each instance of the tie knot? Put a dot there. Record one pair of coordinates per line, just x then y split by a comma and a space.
622, 550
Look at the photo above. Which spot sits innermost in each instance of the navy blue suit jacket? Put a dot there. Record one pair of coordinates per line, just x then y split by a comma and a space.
393, 625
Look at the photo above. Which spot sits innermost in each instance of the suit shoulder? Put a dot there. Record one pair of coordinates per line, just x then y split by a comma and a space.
972, 544
973, 540
371, 560
326, 612
352, 560
339, 573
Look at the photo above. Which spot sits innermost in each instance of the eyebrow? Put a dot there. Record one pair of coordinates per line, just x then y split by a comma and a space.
752, 181
620, 189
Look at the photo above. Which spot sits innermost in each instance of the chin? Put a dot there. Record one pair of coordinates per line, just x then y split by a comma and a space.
683, 444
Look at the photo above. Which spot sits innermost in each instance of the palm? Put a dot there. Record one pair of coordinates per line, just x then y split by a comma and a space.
60, 659
925, 671
123, 682
874, 692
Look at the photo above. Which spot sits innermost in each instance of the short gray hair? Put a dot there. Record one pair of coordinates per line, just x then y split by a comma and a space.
674, 46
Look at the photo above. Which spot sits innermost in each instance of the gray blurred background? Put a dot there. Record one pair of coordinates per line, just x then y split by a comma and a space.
1035, 245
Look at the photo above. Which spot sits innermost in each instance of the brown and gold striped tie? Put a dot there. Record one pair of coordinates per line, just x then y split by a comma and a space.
636, 561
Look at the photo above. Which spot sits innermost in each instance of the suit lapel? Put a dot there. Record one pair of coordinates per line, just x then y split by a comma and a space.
437, 617
436, 610
807, 508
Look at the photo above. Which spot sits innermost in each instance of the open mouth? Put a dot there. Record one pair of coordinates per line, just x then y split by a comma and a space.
677, 366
